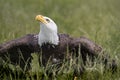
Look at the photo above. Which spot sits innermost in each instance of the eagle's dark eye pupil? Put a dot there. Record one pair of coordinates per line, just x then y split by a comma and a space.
47, 20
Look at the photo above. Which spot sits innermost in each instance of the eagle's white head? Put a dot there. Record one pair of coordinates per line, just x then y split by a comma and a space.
48, 31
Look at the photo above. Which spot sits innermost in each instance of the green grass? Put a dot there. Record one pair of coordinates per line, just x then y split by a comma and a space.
98, 20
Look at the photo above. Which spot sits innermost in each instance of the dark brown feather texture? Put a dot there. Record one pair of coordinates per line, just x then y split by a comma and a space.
29, 44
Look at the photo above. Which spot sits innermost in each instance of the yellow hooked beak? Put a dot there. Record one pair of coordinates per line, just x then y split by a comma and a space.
41, 19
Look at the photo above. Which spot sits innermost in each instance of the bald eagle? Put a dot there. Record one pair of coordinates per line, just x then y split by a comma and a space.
50, 43
48, 31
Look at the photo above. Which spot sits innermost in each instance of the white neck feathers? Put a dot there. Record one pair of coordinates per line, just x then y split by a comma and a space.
48, 34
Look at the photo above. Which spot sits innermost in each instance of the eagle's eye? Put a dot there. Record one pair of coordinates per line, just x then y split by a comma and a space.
48, 20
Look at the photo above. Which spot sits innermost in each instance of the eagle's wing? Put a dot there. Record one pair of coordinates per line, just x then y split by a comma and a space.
26, 44
21, 47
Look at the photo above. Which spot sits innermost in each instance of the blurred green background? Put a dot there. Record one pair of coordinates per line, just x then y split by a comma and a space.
99, 20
